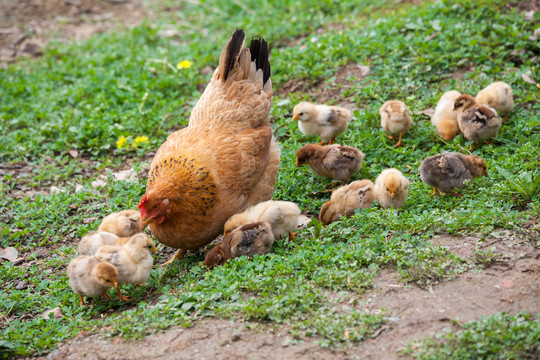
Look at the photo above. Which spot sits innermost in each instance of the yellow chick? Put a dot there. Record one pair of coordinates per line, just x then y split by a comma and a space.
281, 215
395, 119
498, 96
346, 199
133, 259
447, 171
92, 241
391, 188
92, 277
445, 118
123, 224
335, 161
476, 122
324, 121
249, 239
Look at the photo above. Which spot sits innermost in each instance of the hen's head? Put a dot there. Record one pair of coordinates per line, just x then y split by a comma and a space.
153, 210
303, 111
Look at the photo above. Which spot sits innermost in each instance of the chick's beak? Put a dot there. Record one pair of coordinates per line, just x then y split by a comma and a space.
392, 194
153, 249
115, 284
295, 117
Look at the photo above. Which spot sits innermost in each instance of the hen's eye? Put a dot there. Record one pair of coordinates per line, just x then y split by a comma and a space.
155, 207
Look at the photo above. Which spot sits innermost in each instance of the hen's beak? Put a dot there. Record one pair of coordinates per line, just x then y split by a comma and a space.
145, 223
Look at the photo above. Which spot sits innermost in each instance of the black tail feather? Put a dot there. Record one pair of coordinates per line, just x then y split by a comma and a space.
260, 54
233, 51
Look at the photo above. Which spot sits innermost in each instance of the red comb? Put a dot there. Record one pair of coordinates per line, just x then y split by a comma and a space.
143, 201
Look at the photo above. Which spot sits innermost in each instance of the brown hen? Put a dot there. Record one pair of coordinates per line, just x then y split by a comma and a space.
224, 160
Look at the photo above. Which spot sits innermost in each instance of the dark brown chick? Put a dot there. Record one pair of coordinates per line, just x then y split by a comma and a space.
476, 122
250, 239
448, 171
334, 161
346, 199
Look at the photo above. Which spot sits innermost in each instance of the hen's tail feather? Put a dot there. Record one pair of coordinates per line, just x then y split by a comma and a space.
231, 52
260, 54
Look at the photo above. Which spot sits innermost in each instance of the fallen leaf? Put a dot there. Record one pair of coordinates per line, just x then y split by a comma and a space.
127, 175
535, 35
346, 334
527, 77
529, 15
78, 187
56, 190
98, 183
9, 253
506, 283
74, 153
303, 220
426, 112
57, 314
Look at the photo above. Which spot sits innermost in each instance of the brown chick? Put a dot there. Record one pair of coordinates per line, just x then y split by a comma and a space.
92, 241
224, 161
335, 161
498, 96
92, 277
447, 171
346, 199
282, 216
476, 122
395, 119
133, 260
327, 122
391, 188
250, 239
445, 118
123, 224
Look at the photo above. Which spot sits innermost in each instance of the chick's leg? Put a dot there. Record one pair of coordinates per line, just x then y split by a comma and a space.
120, 296
82, 300
332, 141
106, 296
399, 143
292, 235
435, 190
177, 256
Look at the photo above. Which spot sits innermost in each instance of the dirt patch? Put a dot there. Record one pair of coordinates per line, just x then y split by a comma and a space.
209, 339
527, 5
26, 26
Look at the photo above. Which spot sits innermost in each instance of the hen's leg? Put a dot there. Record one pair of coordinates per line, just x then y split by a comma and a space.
177, 256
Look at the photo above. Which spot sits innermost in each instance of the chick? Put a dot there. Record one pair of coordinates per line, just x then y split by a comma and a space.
281, 215
497, 95
391, 188
346, 199
92, 241
395, 119
445, 118
123, 224
335, 161
476, 122
324, 121
92, 277
133, 259
447, 171
250, 239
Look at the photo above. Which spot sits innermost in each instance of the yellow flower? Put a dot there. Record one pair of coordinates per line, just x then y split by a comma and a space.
184, 64
121, 142
139, 140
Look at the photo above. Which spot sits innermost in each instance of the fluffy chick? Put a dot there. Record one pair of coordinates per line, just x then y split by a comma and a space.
395, 119
324, 121
391, 188
250, 239
497, 95
346, 199
281, 215
445, 118
92, 277
133, 259
447, 171
476, 122
335, 161
92, 241
125, 223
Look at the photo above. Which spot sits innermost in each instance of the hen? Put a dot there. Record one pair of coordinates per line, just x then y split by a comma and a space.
223, 162
250, 239
335, 161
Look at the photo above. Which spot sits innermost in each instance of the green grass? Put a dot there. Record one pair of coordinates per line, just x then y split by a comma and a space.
500, 336
86, 96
